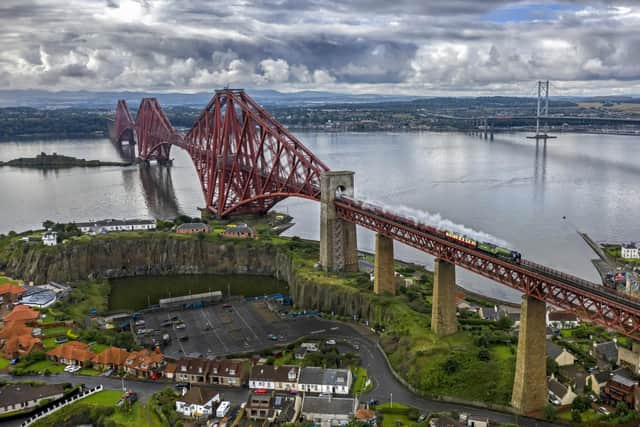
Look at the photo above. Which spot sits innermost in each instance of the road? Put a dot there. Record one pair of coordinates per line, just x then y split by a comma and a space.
385, 384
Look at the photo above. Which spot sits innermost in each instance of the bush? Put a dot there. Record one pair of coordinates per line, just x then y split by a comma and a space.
550, 413
413, 414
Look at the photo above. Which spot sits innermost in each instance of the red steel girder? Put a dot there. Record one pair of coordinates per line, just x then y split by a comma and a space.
246, 160
124, 126
586, 300
155, 133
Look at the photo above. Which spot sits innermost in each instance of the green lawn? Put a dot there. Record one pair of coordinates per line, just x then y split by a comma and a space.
89, 372
41, 366
359, 385
5, 279
448, 366
104, 397
4, 363
140, 415
49, 343
588, 416
99, 348
54, 332
394, 420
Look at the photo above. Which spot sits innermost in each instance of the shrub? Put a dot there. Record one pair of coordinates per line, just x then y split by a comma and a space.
413, 414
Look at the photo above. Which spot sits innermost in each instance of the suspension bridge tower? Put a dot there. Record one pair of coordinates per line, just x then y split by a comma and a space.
542, 112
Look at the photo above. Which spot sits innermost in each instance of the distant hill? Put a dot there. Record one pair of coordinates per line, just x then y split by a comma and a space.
86, 99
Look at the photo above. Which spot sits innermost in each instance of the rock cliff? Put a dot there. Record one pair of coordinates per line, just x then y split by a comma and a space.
103, 258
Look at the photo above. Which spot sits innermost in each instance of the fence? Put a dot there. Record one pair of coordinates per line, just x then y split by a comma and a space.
60, 405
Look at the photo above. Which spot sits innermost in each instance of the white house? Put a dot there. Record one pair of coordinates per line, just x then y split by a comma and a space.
630, 251
562, 320
330, 381
50, 238
111, 225
274, 377
22, 396
198, 402
559, 393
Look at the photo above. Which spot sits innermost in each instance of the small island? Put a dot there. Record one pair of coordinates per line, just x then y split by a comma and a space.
57, 161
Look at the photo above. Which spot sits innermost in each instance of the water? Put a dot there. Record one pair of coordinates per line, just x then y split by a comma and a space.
136, 293
506, 187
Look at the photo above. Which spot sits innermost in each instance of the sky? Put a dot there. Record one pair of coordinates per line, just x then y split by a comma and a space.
409, 47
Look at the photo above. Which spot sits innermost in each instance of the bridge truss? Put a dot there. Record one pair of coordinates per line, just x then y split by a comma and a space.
586, 300
246, 160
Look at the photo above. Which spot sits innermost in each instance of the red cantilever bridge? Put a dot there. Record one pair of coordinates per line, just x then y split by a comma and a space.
247, 162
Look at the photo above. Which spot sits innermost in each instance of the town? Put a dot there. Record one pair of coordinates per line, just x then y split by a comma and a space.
217, 359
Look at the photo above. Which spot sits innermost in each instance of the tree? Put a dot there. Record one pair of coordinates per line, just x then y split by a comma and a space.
552, 367
504, 323
550, 413
575, 416
581, 403
451, 365
484, 355
48, 224
621, 409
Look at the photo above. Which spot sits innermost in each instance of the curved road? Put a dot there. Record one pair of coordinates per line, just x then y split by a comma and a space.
385, 384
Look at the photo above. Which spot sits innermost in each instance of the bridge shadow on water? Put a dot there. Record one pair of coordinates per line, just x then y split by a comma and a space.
540, 170
159, 192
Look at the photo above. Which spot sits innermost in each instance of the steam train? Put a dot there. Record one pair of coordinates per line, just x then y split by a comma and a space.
486, 247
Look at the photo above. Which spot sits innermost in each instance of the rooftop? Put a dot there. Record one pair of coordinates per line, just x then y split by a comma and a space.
192, 226
608, 350
9, 288
328, 405
317, 375
623, 380
274, 373
115, 222
72, 350
198, 396
557, 388
12, 394
22, 313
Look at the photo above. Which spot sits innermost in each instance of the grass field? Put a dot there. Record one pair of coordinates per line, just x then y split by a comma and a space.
4, 363
104, 397
448, 366
41, 366
359, 385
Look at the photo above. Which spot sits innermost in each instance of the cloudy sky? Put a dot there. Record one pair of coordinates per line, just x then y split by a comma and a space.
419, 47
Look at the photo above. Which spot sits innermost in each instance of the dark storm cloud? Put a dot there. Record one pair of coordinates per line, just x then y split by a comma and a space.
409, 46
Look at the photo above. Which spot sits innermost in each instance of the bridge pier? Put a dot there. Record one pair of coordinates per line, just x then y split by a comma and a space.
384, 266
530, 383
338, 242
443, 310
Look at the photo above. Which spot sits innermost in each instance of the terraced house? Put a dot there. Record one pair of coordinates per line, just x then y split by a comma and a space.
72, 353
270, 377
145, 364
204, 371
111, 358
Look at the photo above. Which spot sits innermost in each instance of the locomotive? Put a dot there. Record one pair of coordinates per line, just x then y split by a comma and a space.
486, 247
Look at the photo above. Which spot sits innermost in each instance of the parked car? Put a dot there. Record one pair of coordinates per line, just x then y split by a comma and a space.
603, 410
331, 342
593, 398
181, 326
14, 361
61, 339
184, 338
182, 385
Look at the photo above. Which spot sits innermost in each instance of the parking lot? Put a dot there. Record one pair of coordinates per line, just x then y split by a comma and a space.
232, 326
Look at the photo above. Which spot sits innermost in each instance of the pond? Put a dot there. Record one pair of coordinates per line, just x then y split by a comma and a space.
136, 293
